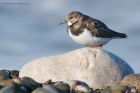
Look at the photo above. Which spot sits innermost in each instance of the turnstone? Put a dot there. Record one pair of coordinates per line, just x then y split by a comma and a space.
89, 31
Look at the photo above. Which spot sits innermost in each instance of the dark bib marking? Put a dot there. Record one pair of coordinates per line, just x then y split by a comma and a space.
76, 29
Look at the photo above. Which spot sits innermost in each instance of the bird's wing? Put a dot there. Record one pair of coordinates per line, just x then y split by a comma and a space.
99, 29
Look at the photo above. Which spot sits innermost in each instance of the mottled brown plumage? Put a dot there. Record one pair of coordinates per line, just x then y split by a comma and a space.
89, 31
96, 27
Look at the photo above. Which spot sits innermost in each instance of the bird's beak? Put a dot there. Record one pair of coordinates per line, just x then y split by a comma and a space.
63, 22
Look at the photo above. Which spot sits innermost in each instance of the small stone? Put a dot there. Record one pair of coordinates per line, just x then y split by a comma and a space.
62, 87
4, 75
40, 90
97, 90
14, 74
7, 83
132, 80
16, 80
12, 89
24, 89
49, 82
29, 83
1, 87
50, 89
120, 89
117, 89
109, 89
106, 90
78, 86
82, 89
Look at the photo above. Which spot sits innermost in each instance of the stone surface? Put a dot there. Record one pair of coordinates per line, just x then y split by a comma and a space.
98, 68
50, 89
133, 80
4, 74
39, 90
14, 74
62, 87
116, 89
76, 85
12, 89
7, 83
42, 90
29, 83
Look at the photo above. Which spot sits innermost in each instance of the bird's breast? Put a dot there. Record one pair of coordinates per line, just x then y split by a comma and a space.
87, 39
76, 30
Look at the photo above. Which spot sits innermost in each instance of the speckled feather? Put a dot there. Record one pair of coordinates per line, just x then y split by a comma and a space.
96, 27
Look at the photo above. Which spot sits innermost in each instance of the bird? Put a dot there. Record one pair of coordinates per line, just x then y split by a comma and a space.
89, 31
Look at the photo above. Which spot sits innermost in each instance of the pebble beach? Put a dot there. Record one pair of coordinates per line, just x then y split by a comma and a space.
11, 83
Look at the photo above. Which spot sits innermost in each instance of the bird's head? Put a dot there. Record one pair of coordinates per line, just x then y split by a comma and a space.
73, 17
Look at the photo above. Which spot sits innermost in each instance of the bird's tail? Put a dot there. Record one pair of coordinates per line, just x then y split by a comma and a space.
122, 35
119, 35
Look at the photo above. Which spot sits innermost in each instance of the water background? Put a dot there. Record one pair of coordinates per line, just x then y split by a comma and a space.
29, 28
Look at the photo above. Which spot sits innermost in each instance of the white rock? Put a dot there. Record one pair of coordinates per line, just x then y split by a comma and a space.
98, 68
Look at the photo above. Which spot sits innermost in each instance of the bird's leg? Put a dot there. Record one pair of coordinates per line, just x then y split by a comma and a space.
98, 47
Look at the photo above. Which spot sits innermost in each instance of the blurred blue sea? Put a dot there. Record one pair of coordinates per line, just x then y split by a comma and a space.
29, 28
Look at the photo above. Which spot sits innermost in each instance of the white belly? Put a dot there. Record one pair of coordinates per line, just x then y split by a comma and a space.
87, 39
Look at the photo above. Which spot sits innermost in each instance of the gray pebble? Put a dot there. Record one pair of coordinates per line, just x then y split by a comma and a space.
106, 90
62, 87
132, 79
40, 90
29, 83
12, 89
50, 89
4, 75
14, 74
78, 86
9, 82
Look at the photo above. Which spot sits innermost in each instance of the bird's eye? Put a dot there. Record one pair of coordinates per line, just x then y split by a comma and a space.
70, 17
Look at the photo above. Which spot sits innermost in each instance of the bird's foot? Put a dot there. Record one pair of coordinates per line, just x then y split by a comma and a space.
98, 47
